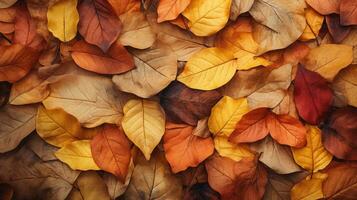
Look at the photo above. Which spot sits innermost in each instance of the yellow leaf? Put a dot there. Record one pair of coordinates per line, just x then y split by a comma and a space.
207, 17
309, 189
77, 155
144, 124
208, 69
314, 23
59, 128
233, 151
62, 19
313, 156
329, 59
225, 115
247, 60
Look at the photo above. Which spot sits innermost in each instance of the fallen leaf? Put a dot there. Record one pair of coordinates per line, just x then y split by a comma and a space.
35, 178
239, 7
144, 124
201, 191
246, 178
227, 149
258, 123
328, 59
345, 86
17, 122
339, 134
59, 128
202, 130
25, 30
98, 24
89, 186
287, 105
161, 184
225, 115
252, 127
278, 24
313, 157
341, 182
92, 99
277, 157
115, 187
155, 68
170, 9
111, 151
183, 149
309, 188
348, 12
312, 95
6, 191
183, 104
16, 61
325, 7
136, 31
208, 69
182, 43
7, 3
42, 149
351, 40
77, 155
314, 23
206, 17
63, 18
125, 6
116, 60
337, 31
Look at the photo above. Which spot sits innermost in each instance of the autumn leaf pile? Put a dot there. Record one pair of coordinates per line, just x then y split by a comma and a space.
178, 99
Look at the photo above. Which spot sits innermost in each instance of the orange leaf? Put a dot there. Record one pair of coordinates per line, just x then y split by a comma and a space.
325, 7
98, 23
287, 130
123, 6
16, 61
116, 60
256, 124
111, 151
170, 9
252, 127
183, 149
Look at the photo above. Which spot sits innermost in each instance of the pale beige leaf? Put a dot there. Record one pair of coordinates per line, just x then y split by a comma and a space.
155, 68
240, 6
279, 23
136, 31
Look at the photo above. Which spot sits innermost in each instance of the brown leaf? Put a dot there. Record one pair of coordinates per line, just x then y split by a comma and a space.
6, 191
246, 178
111, 151
152, 179
183, 104
16, 61
116, 60
98, 24
183, 149
35, 178
201, 191
16, 122
325, 7
345, 87
337, 31
341, 182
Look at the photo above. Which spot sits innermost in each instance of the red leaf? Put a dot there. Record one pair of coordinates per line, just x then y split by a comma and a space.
111, 151
117, 60
98, 23
312, 95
